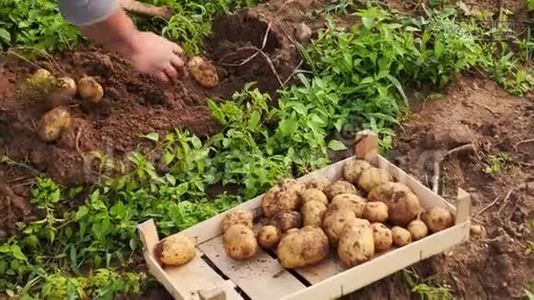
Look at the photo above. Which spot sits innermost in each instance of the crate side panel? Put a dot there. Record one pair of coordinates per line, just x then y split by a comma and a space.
260, 277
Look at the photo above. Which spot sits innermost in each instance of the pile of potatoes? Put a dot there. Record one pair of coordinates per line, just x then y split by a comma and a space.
358, 216
57, 93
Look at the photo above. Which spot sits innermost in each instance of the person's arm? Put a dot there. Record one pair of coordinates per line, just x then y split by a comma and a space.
105, 22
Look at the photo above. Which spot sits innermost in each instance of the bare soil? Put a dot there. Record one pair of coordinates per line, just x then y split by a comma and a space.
473, 110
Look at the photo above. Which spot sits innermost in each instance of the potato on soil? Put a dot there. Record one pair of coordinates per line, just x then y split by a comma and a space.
382, 237
401, 236
403, 204
269, 237
373, 177
243, 217
239, 242
312, 213
320, 183
176, 250
284, 196
54, 123
90, 90
203, 71
302, 247
356, 244
340, 187
66, 86
286, 220
333, 223
41, 75
437, 219
313, 195
418, 229
376, 211
348, 201
354, 168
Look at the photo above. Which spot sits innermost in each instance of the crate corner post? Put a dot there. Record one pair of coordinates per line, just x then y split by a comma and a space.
366, 145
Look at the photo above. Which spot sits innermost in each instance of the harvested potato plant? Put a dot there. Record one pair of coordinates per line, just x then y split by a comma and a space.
302, 247
176, 250
403, 204
239, 242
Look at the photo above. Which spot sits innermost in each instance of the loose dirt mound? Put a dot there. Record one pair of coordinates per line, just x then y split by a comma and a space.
133, 104
493, 264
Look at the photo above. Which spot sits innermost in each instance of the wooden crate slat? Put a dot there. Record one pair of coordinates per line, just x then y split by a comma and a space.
260, 277
324, 270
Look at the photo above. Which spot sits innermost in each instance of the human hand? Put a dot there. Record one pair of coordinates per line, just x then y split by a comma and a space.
157, 56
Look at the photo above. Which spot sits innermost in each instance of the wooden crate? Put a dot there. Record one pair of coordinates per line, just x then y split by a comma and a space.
214, 275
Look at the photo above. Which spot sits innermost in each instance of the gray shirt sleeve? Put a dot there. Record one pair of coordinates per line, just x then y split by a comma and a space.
87, 12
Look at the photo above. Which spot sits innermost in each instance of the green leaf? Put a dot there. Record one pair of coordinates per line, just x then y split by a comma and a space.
82, 212
336, 145
287, 126
530, 295
368, 22
153, 136
4, 35
17, 253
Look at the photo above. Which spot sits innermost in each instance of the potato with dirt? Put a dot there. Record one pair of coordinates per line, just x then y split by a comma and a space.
382, 237
175, 250
401, 236
437, 219
54, 123
417, 229
302, 247
356, 244
350, 202
284, 196
239, 242
90, 90
240, 216
373, 177
203, 71
286, 220
312, 213
376, 211
334, 221
269, 237
353, 168
340, 187
319, 182
314, 195
403, 204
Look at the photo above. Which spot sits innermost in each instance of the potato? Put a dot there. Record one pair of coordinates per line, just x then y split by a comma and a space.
90, 90
401, 236
417, 229
286, 220
54, 123
41, 75
243, 217
203, 71
356, 244
66, 86
302, 248
354, 168
437, 219
269, 237
320, 183
175, 250
314, 195
403, 204
340, 187
239, 242
312, 213
284, 196
373, 177
376, 211
382, 237
333, 223
348, 201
